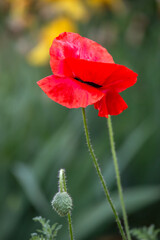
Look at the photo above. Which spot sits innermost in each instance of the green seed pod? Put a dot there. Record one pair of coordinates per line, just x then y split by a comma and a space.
62, 203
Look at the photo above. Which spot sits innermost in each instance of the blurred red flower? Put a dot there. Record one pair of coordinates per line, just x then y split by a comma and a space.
85, 74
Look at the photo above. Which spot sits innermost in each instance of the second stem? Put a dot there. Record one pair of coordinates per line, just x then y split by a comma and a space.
101, 176
119, 185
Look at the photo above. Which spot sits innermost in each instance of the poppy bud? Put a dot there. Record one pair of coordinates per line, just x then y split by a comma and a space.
62, 203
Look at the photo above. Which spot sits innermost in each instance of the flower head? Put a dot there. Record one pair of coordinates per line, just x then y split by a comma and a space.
85, 74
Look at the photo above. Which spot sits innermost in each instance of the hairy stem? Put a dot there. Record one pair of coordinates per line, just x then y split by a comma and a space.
119, 185
70, 226
101, 176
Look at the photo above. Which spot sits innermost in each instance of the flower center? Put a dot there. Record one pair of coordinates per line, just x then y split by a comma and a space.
89, 83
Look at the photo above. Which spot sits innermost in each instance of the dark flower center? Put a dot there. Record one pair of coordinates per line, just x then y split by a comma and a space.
89, 83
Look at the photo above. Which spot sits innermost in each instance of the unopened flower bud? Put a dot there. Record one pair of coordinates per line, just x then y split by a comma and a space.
62, 203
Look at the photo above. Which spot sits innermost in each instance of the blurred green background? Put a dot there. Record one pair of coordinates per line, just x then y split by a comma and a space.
38, 136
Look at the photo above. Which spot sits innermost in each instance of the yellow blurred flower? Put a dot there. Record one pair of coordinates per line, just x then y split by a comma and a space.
73, 8
19, 14
39, 55
115, 5
19, 7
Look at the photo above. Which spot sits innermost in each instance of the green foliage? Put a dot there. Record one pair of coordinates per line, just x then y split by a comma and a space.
146, 233
48, 232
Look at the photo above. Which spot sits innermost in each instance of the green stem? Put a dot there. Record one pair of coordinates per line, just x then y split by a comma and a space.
63, 187
119, 185
70, 226
61, 181
101, 176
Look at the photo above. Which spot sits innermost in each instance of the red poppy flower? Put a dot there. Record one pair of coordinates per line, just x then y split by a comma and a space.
85, 74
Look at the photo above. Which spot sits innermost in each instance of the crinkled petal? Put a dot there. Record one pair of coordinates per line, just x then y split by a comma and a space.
89, 71
69, 92
72, 45
101, 106
111, 104
121, 79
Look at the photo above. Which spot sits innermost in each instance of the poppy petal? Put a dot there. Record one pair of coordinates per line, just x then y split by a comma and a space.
89, 71
69, 92
72, 45
121, 79
111, 104
101, 106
